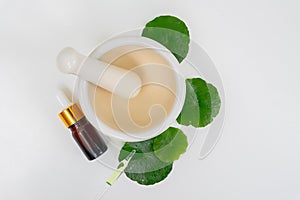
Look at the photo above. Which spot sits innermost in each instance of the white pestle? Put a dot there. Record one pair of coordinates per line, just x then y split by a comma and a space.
114, 79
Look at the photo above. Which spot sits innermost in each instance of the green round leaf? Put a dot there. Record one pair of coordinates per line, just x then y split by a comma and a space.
144, 167
169, 145
202, 103
170, 32
215, 100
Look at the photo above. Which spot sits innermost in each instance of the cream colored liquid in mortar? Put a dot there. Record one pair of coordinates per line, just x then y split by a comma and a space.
154, 101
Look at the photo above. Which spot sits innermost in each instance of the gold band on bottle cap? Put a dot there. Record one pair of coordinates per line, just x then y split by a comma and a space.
71, 115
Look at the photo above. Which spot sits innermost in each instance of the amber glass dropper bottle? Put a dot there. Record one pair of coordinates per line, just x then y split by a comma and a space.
85, 134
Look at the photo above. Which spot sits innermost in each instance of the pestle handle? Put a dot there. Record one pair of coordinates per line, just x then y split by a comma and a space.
112, 78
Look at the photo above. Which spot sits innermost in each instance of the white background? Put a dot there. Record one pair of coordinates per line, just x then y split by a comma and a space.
255, 46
